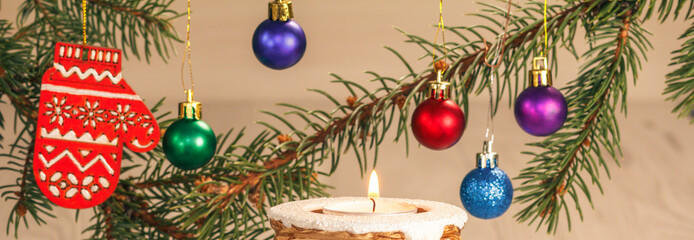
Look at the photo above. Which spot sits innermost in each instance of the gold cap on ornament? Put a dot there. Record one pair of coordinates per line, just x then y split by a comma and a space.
280, 10
487, 158
190, 109
439, 89
540, 76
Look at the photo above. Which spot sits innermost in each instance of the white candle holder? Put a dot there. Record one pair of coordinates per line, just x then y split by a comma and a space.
306, 219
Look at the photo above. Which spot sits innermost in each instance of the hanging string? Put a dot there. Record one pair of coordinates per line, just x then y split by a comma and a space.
186, 54
496, 61
544, 51
84, 23
489, 134
501, 41
443, 35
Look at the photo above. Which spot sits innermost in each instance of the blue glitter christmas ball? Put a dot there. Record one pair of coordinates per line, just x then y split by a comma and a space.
279, 44
486, 191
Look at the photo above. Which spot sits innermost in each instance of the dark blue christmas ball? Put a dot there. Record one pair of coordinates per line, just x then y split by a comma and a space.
486, 192
279, 44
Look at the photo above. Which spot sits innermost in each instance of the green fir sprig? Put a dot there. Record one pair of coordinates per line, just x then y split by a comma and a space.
680, 82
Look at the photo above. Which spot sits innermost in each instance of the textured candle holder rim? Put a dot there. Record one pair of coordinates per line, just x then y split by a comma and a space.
305, 219
331, 209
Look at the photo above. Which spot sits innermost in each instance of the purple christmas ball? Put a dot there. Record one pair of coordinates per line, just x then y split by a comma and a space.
541, 111
279, 45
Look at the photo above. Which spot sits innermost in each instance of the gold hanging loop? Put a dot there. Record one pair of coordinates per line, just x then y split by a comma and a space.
441, 28
544, 51
439, 89
189, 109
84, 24
187, 55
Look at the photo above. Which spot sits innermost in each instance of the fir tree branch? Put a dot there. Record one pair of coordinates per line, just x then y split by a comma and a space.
622, 38
14, 66
680, 82
118, 208
21, 208
108, 231
227, 198
28, 52
167, 228
143, 15
48, 18
554, 173
154, 20
220, 196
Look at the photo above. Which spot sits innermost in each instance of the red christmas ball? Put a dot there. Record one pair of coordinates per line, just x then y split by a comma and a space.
438, 123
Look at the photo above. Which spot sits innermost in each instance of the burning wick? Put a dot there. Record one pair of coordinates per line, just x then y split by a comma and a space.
374, 192
374, 201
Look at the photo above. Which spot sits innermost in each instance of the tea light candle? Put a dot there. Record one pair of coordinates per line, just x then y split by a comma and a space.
373, 206
366, 208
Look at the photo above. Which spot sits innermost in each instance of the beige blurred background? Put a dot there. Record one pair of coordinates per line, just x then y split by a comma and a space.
649, 197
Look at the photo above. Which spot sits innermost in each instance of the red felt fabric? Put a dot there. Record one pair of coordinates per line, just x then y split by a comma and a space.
87, 113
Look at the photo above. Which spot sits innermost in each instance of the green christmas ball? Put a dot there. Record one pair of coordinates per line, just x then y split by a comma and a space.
189, 143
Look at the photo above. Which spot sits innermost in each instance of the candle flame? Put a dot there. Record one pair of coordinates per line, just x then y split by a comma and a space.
374, 192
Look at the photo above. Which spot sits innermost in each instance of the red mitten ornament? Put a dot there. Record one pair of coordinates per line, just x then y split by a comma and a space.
86, 113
